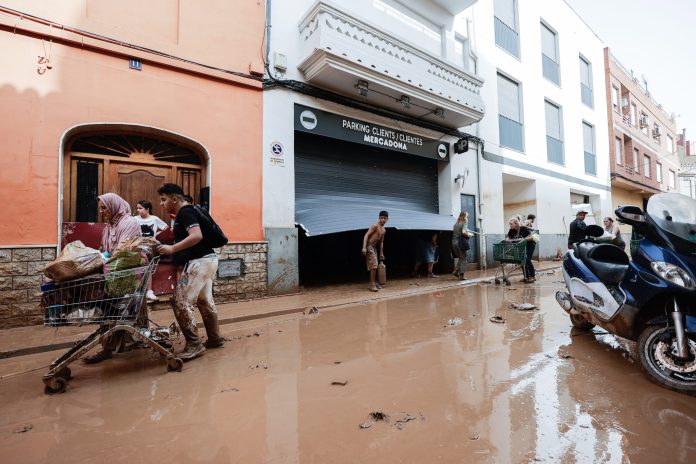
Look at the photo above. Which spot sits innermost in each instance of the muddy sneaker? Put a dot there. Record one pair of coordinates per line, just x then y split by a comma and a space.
214, 343
372, 288
151, 297
530, 280
192, 351
103, 355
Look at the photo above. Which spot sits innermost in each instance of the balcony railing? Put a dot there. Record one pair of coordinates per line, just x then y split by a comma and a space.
507, 38
587, 95
590, 163
339, 49
627, 119
511, 133
551, 69
554, 150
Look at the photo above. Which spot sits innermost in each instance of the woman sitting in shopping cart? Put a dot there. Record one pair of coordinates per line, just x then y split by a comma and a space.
518, 233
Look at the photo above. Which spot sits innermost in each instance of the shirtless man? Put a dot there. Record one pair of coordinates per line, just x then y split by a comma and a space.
374, 235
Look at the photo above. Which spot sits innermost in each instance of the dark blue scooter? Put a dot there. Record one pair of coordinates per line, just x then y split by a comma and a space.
650, 299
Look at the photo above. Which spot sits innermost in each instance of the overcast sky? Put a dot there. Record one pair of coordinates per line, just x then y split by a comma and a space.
656, 38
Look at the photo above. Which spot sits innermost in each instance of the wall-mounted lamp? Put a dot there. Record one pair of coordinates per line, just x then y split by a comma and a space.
362, 88
462, 177
440, 113
405, 101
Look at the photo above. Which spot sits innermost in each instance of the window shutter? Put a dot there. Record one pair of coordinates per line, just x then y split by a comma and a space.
508, 98
505, 11
553, 121
588, 138
548, 43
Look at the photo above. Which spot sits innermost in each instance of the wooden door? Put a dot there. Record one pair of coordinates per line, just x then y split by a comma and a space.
134, 182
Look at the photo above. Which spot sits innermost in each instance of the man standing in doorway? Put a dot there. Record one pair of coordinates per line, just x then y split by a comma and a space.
577, 228
195, 285
375, 234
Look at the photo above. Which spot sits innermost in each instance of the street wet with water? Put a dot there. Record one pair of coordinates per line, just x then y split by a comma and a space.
422, 379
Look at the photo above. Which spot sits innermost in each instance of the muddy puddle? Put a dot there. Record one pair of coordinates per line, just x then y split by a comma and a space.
392, 381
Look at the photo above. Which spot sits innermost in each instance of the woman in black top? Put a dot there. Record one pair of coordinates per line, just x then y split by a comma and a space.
518, 232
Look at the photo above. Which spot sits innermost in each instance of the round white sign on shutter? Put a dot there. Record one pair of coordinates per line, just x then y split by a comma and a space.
308, 120
442, 151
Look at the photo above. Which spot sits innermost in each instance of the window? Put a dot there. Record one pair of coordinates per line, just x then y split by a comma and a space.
658, 172
588, 142
656, 133
510, 114
549, 55
617, 150
586, 94
634, 115
646, 165
460, 57
670, 144
672, 180
506, 33
554, 138
635, 161
615, 99
644, 122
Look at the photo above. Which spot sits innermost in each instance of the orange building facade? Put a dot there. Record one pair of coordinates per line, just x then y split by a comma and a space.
122, 97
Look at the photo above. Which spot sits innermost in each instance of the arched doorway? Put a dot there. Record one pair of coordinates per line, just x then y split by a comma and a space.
132, 162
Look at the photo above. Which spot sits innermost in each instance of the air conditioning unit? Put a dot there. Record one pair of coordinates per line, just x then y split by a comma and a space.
656, 132
643, 121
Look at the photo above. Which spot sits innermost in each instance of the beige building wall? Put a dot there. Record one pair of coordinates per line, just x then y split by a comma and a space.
623, 197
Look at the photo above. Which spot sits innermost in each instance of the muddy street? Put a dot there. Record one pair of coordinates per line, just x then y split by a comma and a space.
427, 378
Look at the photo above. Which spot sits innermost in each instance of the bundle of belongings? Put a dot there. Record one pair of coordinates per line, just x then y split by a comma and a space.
86, 287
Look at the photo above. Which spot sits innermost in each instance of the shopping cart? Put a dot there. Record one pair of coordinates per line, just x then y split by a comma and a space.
116, 301
509, 253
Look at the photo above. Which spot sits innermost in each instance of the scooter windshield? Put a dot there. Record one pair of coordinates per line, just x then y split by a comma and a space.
676, 215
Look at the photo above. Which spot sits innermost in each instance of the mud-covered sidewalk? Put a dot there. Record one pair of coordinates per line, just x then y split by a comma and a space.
35, 339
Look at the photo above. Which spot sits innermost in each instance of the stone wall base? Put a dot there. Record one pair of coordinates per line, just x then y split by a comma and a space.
21, 274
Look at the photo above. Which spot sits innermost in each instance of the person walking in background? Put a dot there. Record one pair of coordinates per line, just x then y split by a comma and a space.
460, 244
120, 225
149, 223
428, 252
577, 228
614, 233
375, 235
195, 285
529, 222
518, 232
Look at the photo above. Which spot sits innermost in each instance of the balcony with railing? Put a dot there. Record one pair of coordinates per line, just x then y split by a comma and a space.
551, 69
339, 50
511, 133
507, 38
554, 150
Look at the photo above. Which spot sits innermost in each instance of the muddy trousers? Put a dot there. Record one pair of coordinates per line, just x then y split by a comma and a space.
195, 288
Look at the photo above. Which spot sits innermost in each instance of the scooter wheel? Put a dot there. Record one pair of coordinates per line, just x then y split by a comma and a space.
657, 353
580, 322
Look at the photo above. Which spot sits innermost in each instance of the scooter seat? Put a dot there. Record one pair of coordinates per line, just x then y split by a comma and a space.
608, 262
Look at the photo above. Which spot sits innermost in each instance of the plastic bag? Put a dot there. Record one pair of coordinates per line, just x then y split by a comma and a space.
75, 261
120, 282
145, 245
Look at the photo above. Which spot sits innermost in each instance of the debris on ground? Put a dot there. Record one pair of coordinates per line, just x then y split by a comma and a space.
255, 334
454, 321
24, 429
229, 389
341, 383
486, 282
497, 319
523, 306
566, 356
373, 417
337, 362
438, 295
310, 310
415, 284
474, 438
264, 366
401, 423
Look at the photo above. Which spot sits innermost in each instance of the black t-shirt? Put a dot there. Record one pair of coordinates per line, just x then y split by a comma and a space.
577, 232
524, 232
187, 218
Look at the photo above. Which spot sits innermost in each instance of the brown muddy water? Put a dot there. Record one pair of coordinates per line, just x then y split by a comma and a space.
527, 390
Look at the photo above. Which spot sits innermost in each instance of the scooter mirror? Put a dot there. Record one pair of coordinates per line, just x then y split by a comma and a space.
594, 231
630, 215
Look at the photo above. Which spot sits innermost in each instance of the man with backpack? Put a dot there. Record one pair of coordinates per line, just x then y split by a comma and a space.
195, 235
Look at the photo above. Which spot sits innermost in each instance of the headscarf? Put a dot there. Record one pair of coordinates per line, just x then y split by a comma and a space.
121, 226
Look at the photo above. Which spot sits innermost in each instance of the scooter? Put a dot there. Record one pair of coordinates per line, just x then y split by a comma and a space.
650, 299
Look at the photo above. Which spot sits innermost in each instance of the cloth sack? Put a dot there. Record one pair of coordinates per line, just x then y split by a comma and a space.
75, 260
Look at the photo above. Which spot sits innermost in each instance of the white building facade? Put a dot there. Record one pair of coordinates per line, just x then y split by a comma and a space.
361, 114
545, 129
